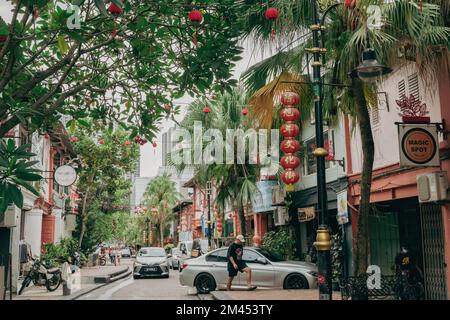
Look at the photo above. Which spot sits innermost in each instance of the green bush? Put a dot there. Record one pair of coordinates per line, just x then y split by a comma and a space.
56, 254
169, 246
280, 244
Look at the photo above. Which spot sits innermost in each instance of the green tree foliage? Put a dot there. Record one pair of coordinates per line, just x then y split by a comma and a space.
15, 171
106, 159
49, 68
161, 194
280, 244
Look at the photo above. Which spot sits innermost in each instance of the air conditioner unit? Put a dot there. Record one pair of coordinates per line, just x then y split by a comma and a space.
432, 186
9, 218
281, 216
278, 194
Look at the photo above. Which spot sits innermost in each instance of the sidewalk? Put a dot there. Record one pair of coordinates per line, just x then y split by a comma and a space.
268, 294
91, 279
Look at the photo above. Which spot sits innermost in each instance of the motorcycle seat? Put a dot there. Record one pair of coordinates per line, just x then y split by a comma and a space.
53, 270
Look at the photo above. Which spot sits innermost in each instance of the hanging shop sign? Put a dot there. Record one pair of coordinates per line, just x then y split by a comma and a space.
262, 200
342, 207
65, 176
306, 214
419, 145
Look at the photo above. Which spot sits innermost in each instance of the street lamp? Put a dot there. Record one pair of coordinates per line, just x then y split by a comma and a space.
368, 70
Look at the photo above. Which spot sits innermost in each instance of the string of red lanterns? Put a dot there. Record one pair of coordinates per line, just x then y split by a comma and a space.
290, 146
115, 11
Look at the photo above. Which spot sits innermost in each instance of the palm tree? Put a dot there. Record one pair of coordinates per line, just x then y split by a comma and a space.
420, 35
161, 194
235, 183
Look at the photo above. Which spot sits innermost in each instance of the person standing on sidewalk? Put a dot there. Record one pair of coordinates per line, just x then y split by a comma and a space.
235, 263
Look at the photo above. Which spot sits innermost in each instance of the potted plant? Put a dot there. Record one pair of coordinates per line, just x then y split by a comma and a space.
336, 260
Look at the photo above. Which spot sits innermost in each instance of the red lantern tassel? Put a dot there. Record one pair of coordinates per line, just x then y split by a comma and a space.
273, 34
115, 29
195, 39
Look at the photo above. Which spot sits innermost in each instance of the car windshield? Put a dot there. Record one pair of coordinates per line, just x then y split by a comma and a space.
154, 252
269, 256
176, 251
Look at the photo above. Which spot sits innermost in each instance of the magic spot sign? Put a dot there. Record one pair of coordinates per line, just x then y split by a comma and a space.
419, 145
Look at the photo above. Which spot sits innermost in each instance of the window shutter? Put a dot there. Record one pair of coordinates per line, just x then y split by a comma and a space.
401, 89
413, 86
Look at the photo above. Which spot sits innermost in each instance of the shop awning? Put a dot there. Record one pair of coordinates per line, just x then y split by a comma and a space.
309, 197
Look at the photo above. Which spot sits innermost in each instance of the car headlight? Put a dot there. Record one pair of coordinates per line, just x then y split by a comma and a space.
313, 273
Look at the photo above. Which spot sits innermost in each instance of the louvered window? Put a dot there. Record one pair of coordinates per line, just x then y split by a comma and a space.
413, 85
374, 116
401, 89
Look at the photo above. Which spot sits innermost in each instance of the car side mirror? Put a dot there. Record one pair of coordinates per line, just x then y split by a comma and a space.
261, 260
169, 255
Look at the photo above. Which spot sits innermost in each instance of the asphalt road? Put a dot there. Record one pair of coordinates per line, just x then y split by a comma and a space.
143, 289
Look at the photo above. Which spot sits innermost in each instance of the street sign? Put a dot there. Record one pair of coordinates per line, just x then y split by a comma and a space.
342, 208
419, 145
65, 176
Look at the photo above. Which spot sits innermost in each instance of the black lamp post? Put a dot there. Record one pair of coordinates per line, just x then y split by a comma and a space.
208, 191
368, 70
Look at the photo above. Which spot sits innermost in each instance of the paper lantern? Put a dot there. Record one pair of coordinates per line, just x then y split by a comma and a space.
289, 130
115, 11
290, 146
244, 112
74, 139
206, 109
290, 114
101, 141
290, 161
195, 16
290, 99
290, 176
271, 14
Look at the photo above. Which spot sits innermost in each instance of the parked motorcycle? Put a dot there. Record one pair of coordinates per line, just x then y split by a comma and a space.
102, 260
41, 275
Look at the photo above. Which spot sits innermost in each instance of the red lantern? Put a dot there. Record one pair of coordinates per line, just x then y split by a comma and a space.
290, 176
101, 141
143, 141
290, 161
290, 146
167, 107
206, 110
137, 139
350, 4
195, 16
127, 142
154, 144
290, 99
271, 14
289, 130
290, 114
115, 11
244, 112
74, 139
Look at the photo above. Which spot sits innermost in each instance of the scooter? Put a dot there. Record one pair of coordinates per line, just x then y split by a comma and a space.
41, 275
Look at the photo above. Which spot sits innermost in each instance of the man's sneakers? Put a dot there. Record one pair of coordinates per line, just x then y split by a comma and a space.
251, 288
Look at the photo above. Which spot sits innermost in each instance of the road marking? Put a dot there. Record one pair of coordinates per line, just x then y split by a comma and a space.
107, 295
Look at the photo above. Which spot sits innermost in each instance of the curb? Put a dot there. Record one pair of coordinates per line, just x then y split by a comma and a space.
118, 275
217, 295
108, 278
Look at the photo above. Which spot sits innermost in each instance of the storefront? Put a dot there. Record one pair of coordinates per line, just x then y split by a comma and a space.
399, 220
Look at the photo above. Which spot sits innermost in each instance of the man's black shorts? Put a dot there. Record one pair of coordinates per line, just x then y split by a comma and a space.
232, 272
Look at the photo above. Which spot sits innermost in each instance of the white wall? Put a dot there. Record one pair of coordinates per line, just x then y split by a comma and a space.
335, 171
33, 230
385, 133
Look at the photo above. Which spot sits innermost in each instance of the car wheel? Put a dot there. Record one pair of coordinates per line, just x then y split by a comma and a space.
296, 281
136, 277
205, 283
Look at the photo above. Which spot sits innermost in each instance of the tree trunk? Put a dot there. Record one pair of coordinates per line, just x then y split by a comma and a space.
368, 148
83, 217
242, 220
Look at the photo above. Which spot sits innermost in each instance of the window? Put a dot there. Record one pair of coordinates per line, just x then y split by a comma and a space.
409, 86
374, 115
310, 163
218, 256
250, 256
401, 89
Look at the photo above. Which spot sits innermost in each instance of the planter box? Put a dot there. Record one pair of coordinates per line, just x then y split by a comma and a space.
416, 119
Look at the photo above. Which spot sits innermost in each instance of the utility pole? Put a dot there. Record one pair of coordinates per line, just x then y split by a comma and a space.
208, 190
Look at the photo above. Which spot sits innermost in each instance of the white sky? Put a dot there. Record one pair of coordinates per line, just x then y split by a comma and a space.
151, 158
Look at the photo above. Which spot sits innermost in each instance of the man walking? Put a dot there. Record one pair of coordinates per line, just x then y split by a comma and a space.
235, 263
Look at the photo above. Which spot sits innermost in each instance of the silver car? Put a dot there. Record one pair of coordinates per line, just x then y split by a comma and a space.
209, 272
175, 257
150, 262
